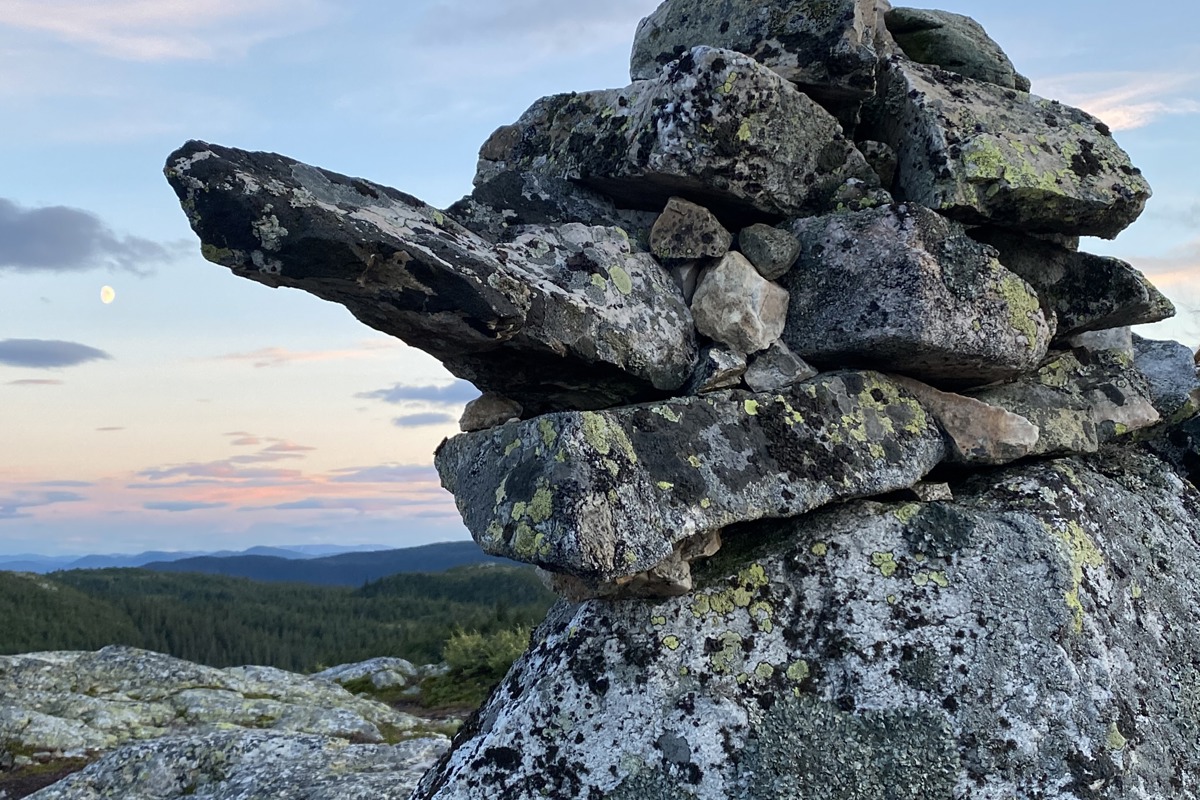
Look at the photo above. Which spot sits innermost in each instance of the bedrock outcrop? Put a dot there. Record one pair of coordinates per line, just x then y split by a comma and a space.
989, 646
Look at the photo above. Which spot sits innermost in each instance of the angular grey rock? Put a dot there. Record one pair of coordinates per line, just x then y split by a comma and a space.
828, 49
718, 368
686, 231
882, 159
487, 411
1119, 339
716, 126
670, 578
1085, 292
1170, 369
771, 250
607, 495
976, 432
904, 289
236, 765
1034, 638
776, 368
953, 42
610, 318
736, 306
1078, 401
686, 276
983, 154
383, 672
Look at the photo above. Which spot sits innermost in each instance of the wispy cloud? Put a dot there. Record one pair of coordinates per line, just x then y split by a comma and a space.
14, 506
458, 393
110, 429
282, 356
181, 506
1179, 268
63, 239
153, 30
218, 470
47, 353
1126, 100
424, 419
387, 473
36, 382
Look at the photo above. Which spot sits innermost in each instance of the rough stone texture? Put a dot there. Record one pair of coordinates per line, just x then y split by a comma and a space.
1170, 370
736, 306
1078, 400
882, 159
687, 231
670, 578
73, 703
903, 289
1085, 292
487, 411
984, 154
383, 672
771, 250
1119, 339
828, 48
686, 276
976, 432
240, 765
610, 319
776, 368
1035, 638
718, 368
716, 126
606, 495
953, 42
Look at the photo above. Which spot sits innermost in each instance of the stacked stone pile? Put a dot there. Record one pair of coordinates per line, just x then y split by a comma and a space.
815, 252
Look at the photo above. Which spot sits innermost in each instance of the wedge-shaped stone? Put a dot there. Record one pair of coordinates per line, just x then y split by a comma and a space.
715, 126
827, 48
606, 495
562, 317
1085, 292
953, 42
985, 154
1078, 400
903, 289
736, 306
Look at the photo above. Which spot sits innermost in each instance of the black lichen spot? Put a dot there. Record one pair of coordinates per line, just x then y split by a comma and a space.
1085, 163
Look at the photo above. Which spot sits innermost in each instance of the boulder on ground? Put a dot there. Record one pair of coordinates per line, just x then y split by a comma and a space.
736, 306
953, 42
988, 155
903, 289
561, 317
606, 495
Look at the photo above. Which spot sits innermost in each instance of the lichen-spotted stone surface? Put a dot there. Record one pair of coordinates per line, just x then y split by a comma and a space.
985, 154
604, 495
607, 315
1034, 638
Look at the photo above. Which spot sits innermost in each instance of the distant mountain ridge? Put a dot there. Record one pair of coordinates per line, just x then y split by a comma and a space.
30, 562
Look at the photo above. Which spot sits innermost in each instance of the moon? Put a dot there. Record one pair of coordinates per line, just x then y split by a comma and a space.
107, 295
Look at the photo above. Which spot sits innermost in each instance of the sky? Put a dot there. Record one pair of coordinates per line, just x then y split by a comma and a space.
200, 411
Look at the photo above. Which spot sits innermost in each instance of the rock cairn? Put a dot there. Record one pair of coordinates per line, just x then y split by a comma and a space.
815, 252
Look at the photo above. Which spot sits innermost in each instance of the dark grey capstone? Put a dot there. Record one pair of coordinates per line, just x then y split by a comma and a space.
953, 42
1172, 373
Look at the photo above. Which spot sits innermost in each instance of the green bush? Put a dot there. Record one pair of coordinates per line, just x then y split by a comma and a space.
477, 663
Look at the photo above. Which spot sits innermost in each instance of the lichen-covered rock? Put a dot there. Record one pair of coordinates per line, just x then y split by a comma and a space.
383, 672
736, 306
771, 250
609, 316
715, 126
984, 154
1078, 401
1170, 370
1085, 292
953, 42
1033, 638
828, 48
903, 289
1119, 339
718, 368
776, 368
236, 765
605, 495
686, 231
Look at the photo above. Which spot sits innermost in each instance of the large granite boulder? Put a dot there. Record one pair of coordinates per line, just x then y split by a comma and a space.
715, 126
984, 154
562, 317
1035, 637
829, 49
606, 495
1084, 292
1172, 375
953, 42
904, 289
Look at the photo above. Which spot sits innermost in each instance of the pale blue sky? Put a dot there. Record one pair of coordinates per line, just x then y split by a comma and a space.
226, 414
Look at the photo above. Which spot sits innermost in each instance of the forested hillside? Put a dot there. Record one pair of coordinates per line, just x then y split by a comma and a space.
224, 621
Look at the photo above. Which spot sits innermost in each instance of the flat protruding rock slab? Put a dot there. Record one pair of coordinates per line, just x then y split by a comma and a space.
715, 126
1085, 292
827, 48
564, 316
985, 154
1036, 637
954, 42
903, 289
606, 495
